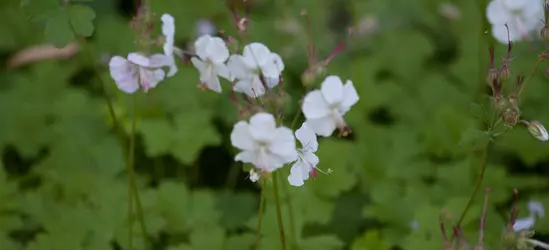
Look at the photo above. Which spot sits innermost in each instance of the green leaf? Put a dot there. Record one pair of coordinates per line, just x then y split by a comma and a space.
81, 18
370, 240
58, 29
327, 242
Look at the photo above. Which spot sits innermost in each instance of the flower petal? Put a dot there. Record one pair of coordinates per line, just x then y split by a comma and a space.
296, 175
273, 67
496, 13
311, 158
247, 157
160, 60
124, 74
256, 54
201, 46
198, 64
283, 144
241, 136
350, 96
217, 50
314, 105
523, 224
238, 67
324, 126
139, 59
263, 127
332, 90
250, 86
307, 138
536, 209
223, 71
168, 30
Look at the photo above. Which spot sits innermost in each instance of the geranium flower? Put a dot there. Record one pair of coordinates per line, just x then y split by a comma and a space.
307, 160
325, 108
256, 69
137, 71
212, 54
263, 144
521, 16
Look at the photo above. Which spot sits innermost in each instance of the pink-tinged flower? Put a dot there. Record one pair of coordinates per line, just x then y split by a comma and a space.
137, 71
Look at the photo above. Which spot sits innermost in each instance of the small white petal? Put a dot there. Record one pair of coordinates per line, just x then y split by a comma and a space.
296, 175
238, 67
273, 67
523, 224
256, 54
497, 13
201, 46
150, 78
332, 90
168, 30
283, 144
516, 4
139, 59
263, 127
198, 64
311, 158
307, 138
350, 97
217, 50
247, 157
536, 209
324, 126
314, 105
223, 71
241, 137
124, 74
250, 86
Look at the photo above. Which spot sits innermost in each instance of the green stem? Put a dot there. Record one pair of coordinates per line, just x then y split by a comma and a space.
131, 173
484, 164
120, 133
529, 77
260, 216
291, 217
278, 213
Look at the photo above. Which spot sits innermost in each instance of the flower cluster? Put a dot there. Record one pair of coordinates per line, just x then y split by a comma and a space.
266, 145
522, 17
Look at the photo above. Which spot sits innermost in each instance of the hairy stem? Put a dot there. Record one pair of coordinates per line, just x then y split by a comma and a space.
278, 213
484, 163
260, 216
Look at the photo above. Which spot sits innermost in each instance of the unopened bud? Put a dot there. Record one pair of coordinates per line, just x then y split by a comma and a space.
537, 130
504, 72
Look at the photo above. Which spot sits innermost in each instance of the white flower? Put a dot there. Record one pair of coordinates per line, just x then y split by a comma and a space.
521, 16
536, 210
168, 30
263, 144
212, 53
255, 62
307, 160
324, 108
137, 71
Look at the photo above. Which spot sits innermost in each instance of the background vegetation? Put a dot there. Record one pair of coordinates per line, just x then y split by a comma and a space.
417, 66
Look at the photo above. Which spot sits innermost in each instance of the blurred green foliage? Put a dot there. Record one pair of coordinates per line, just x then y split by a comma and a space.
62, 180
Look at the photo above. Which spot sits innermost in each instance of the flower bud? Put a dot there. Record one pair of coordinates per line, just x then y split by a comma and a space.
537, 130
